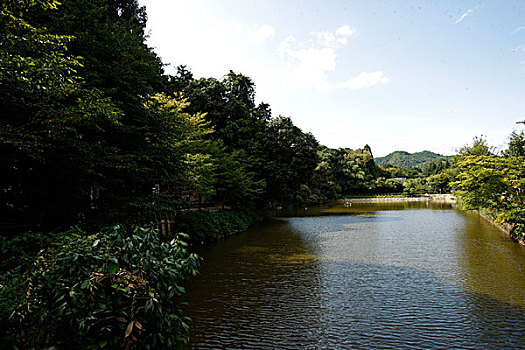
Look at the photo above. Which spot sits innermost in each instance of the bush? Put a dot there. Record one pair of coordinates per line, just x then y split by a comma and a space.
204, 226
114, 289
21, 250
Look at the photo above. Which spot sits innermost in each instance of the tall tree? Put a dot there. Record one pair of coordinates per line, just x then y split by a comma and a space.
49, 145
290, 159
110, 36
516, 145
479, 147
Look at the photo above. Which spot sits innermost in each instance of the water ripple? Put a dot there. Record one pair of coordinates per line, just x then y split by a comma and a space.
408, 280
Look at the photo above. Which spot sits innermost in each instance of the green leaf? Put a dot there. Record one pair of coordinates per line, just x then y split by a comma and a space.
113, 267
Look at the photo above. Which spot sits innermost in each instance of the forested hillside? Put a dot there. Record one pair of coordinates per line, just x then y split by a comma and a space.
409, 160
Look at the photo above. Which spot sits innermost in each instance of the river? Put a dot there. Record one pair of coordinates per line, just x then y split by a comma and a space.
369, 276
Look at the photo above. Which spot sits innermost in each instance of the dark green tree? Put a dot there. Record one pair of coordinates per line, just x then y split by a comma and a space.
51, 147
290, 159
516, 145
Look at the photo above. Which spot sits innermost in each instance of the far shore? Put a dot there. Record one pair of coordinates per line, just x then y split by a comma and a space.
443, 198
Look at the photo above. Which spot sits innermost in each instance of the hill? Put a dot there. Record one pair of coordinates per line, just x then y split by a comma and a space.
408, 160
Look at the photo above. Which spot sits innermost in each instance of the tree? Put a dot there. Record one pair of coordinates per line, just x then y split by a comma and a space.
516, 145
229, 105
50, 143
490, 181
323, 181
239, 125
235, 184
176, 154
354, 170
110, 36
479, 148
290, 159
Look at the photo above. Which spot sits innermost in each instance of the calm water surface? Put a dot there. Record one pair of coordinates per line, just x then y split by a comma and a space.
373, 276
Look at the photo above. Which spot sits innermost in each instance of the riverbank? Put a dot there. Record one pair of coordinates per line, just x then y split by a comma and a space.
207, 226
508, 229
112, 268
442, 198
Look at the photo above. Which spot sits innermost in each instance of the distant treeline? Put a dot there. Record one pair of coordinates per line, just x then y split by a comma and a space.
411, 160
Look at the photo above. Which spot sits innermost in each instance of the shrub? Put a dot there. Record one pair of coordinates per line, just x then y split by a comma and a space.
118, 288
203, 226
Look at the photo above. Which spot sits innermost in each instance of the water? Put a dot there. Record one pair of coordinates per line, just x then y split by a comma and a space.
373, 276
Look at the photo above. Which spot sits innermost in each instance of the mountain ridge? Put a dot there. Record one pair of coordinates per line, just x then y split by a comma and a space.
409, 160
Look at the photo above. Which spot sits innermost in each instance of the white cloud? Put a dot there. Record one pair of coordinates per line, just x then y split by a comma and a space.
518, 29
262, 34
307, 63
463, 16
345, 31
324, 39
520, 51
365, 80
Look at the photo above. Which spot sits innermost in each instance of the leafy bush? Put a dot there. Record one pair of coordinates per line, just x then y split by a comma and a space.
114, 289
497, 185
21, 250
204, 226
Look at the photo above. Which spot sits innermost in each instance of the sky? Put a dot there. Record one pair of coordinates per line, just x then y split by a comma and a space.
396, 75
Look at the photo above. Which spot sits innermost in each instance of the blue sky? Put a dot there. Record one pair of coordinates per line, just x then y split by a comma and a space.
397, 75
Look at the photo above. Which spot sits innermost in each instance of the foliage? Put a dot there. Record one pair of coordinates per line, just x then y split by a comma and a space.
413, 187
441, 182
490, 181
516, 145
479, 147
20, 250
354, 171
110, 36
229, 105
495, 183
237, 155
204, 226
176, 154
48, 119
305, 197
323, 180
383, 185
435, 167
116, 288
235, 183
408, 160
401, 172
290, 159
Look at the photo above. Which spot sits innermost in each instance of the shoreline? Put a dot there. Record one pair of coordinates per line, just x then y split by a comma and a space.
442, 198
505, 228
437, 198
